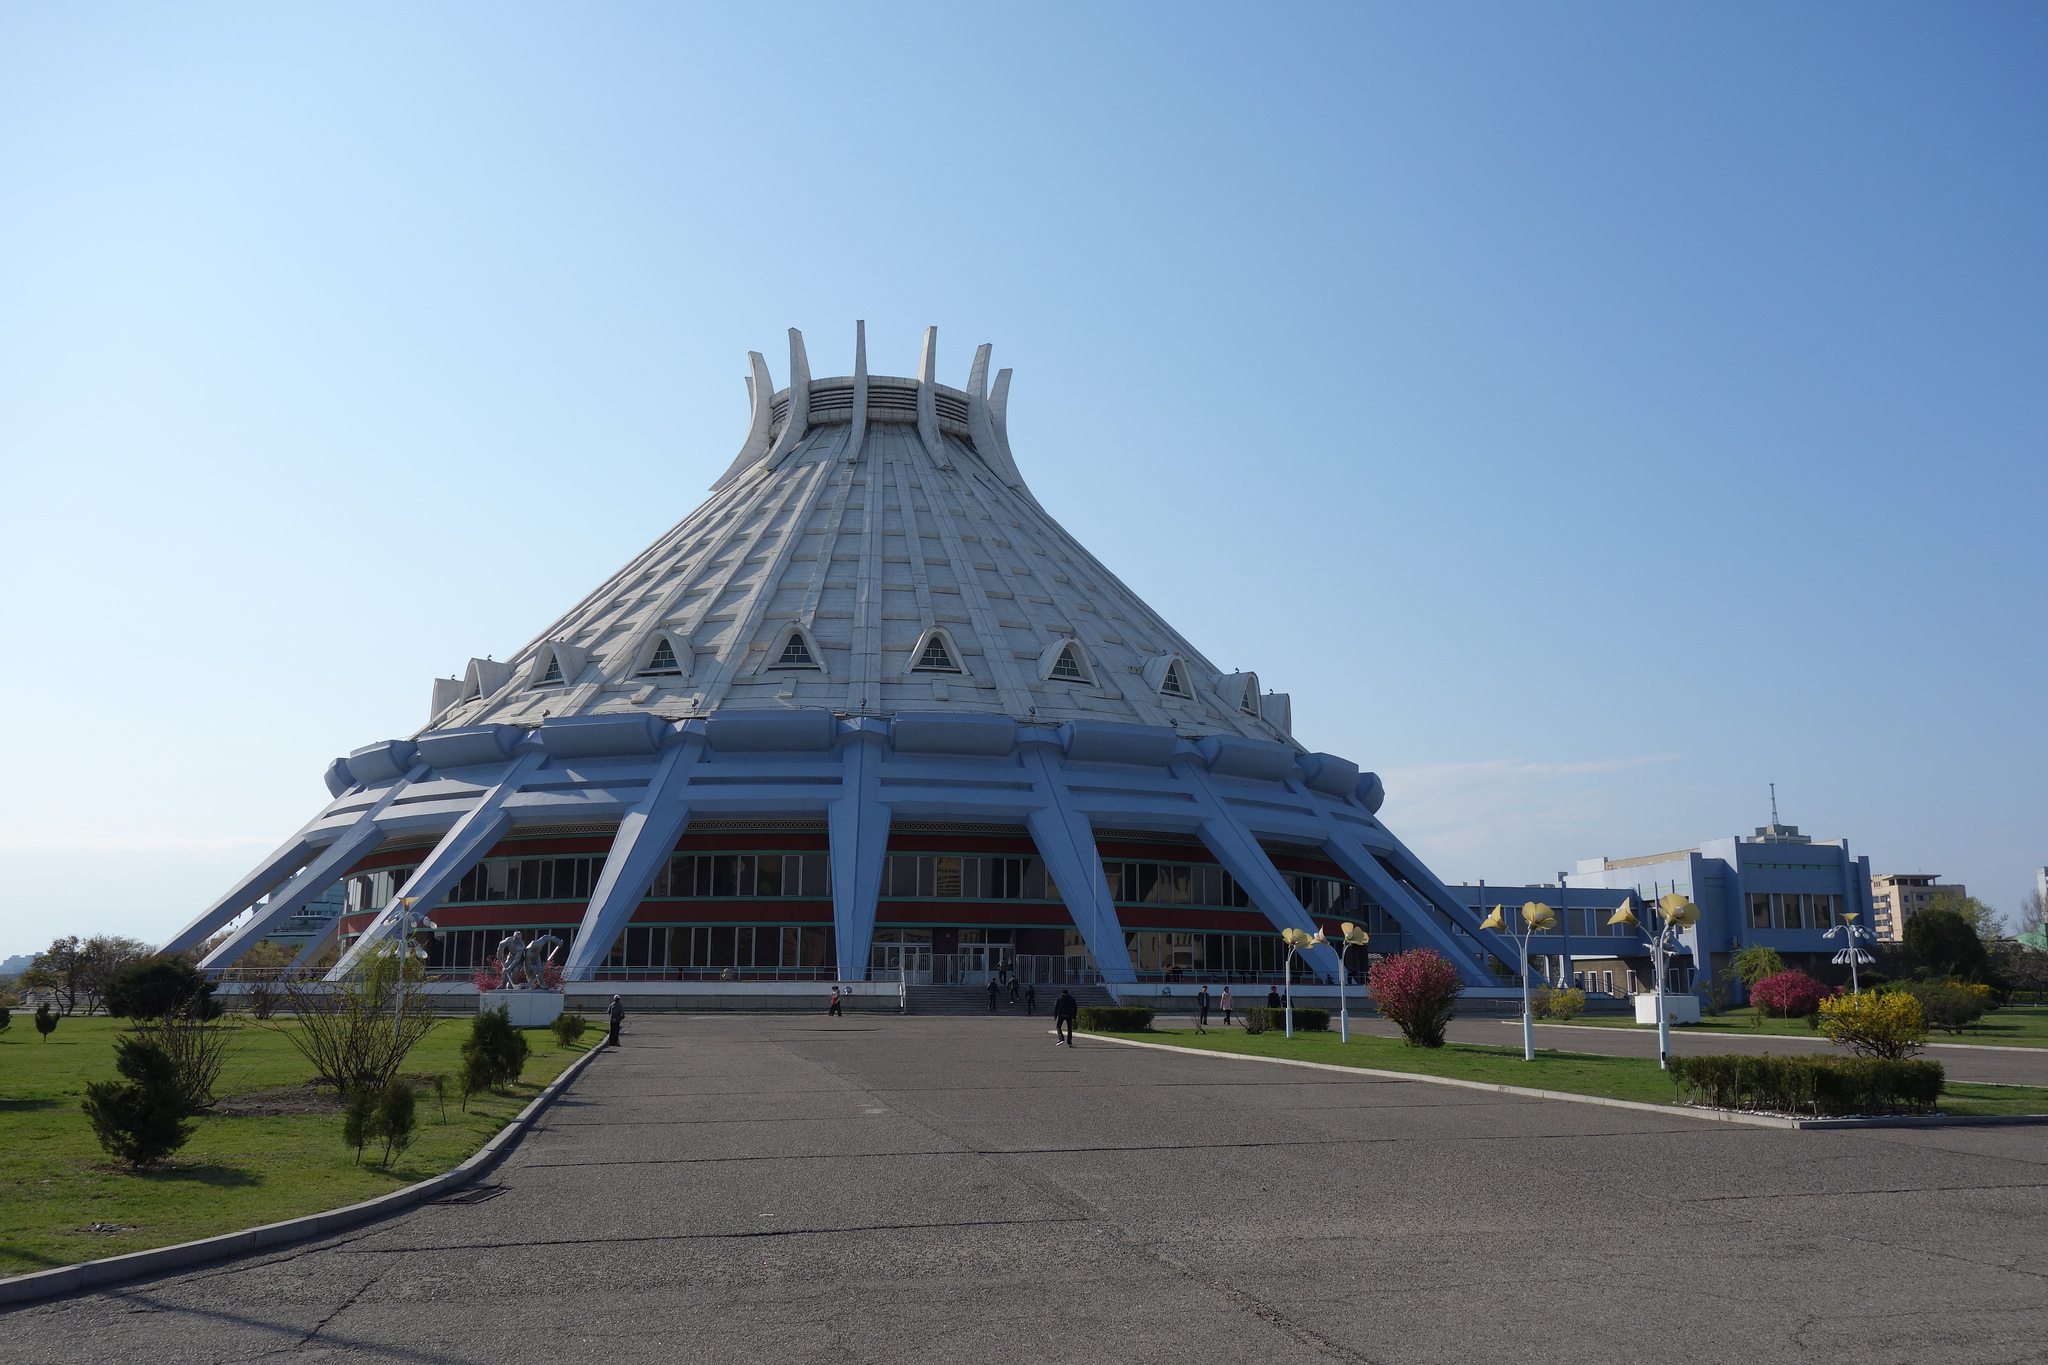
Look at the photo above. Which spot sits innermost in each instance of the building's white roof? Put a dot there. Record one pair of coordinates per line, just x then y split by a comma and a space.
783, 548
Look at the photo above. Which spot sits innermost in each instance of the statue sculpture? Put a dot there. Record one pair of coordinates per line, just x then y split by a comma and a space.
517, 957
540, 955
511, 955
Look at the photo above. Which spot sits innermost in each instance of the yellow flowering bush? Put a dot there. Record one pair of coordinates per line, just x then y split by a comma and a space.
1890, 1024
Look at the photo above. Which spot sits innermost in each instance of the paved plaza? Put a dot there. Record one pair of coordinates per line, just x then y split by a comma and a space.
776, 1189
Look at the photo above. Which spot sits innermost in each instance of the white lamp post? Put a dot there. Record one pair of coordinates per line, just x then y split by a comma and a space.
1353, 937
1535, 915
1678, 914
1851, 952
1297, 941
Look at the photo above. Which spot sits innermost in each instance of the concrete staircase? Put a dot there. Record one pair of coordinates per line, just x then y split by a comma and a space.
974, 999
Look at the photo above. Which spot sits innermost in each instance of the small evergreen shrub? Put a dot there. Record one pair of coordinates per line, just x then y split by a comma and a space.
1419, 991
567, 1028
1114, 1018
359, 1119
141, 1122
46, 1020
6, 1018
397, 1117
1886, 1024
496, 1052
1259, 1018
1813, 1086
1788, 994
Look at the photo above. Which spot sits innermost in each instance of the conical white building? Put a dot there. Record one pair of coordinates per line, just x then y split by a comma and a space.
868, 710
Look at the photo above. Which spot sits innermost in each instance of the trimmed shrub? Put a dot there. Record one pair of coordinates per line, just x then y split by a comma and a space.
397, 1117
495, 1053
1419, 991
1887, 1024
1114, 1018
1811, 1086
1788, 995
46, 1020
1259, 1018
156, 986
1946, 1006
567, 1028
142, 1122
6, 1018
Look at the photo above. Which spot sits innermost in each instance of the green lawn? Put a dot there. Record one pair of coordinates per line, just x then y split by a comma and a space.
2013, 1026
1576, 1073
237, 1171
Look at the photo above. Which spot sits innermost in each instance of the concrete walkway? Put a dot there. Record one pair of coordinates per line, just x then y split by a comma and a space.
776, 1189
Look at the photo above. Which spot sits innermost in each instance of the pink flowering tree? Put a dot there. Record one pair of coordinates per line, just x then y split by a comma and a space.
1418, 990
1788, 994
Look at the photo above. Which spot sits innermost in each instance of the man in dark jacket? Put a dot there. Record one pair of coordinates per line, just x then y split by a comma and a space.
1202, 1010
1064, 1011
991, 994
1273, 1001
1031, 999
618, 1016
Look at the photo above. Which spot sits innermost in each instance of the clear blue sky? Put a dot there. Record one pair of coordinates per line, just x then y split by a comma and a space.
1589, 414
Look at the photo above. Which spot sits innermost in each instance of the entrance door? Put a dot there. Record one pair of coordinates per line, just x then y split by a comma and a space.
980, 961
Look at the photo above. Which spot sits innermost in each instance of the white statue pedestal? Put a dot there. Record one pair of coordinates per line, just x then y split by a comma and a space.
1681, 1009
527, 1009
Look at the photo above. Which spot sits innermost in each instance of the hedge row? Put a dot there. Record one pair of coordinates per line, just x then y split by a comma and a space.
1816, 1086
1259, 1018
1114, 1018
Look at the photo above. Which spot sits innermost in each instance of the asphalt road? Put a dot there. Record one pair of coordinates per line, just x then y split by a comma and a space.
888, 1189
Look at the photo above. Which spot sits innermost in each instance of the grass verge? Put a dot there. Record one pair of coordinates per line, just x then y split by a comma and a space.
275, 1153
1574, 1073
2013, 1026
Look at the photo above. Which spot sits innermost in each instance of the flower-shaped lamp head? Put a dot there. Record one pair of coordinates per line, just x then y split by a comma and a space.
1851, 916
1493, 920
1538, 916
1354, 934
1318, 939
1625, 915
1677, 910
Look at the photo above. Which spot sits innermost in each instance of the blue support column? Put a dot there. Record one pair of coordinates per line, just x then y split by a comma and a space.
858, 826
646, 837
1066, 840
480, 827
276, 870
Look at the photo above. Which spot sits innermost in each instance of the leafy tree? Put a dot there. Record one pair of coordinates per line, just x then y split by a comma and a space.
141, 1122
1946, 942
1947, 1007
46, 1020
1756, 962
6, 1018
155, 986
2024, 968
1419, 991
1985, 922
1788, 995
76, 972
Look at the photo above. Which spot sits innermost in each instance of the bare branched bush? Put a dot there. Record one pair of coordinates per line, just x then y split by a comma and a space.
356, 1033
196, 1045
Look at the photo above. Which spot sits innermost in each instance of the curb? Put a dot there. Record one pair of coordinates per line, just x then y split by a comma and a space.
1673, 1110
67, 1279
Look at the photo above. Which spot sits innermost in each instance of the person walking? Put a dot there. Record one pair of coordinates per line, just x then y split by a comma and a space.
991, 995
618, 1017
1013, 990
1202, 1010
1273, 1001
1031, 999
1225, 1002
834, 1011
1064, 1011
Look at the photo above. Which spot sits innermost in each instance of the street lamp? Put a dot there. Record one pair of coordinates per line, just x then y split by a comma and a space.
1678, 914
1298, 941
404, 950
1536, 916
1352, 936
1851, 953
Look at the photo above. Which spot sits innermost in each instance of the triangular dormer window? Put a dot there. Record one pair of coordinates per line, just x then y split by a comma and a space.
936, 656
795, 654
1068, 666
554, 673
1173, 685
664, 660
